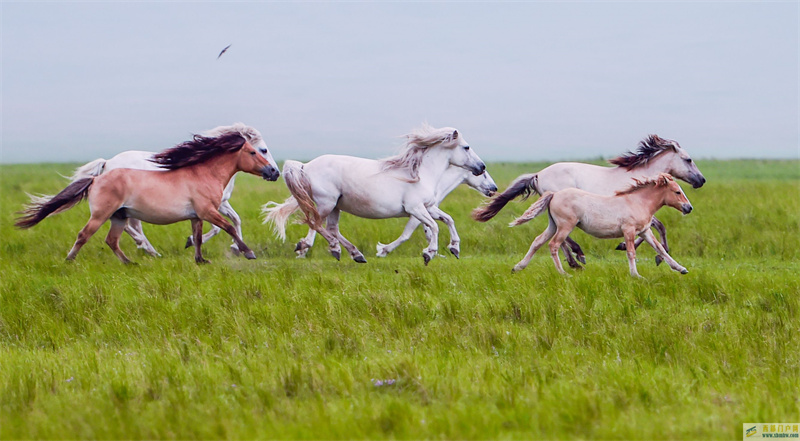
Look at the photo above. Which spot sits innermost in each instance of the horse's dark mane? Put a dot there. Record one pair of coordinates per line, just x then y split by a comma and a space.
647, 150
197, 150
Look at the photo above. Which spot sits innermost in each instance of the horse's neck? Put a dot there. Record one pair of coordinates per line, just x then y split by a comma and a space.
220, 168
659, 164
651, 198
433, 166
453, 177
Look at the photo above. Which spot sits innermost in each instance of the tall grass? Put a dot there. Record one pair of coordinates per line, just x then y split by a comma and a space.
288, 348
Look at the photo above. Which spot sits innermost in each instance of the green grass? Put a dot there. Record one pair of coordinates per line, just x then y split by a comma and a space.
287, 348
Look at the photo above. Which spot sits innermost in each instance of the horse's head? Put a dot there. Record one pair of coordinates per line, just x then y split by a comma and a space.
681, 165
257, 161
674, 195
462, 155
483, 183
255, 158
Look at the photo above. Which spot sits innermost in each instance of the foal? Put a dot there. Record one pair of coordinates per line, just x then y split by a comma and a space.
626, 214
190, 189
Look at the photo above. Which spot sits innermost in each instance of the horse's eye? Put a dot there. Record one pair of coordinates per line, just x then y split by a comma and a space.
689, 160
263, 151
253, 152
677, 192
466, 147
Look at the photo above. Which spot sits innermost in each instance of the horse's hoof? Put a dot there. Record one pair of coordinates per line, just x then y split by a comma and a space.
455, 252
684, 271
299, 247
574, 264
235, 250
250, 255
516, 269
427, 258
188, 243
360, 259
581, 259
336, 254
659, 260
201, 261
621, 247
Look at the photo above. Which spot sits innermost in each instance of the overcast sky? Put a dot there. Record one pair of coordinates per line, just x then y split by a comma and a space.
521, 81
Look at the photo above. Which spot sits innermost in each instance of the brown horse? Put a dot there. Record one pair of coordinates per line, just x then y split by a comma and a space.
191, 189
626, 214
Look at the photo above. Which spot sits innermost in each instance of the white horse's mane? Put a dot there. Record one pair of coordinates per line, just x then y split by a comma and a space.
249, 133
416, 145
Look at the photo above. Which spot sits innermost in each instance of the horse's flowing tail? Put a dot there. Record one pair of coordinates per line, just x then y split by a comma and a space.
89, 170
43, 206
300, 187
278, 214
525, 185
534, 210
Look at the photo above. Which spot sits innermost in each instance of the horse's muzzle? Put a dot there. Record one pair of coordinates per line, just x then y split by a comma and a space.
686, 208
698, 181
490, 191
270, 173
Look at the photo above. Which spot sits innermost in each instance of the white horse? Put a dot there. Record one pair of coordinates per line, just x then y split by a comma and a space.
452, 178
655, 155
142, 160
401, 186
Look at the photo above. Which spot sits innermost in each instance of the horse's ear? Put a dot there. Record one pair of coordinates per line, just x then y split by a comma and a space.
455, 135
663, 179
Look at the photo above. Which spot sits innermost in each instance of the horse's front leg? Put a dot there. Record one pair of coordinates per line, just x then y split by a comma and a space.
226, 209
630, 248
648, 236
212, 215
134, 228
540, 240
197, 236
421, 213
455, 241
412, 225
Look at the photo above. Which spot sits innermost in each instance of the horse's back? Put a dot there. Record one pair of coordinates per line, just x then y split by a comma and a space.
135, 159
588, 177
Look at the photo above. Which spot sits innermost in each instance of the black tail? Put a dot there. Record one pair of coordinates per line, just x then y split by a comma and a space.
524, 185
41, 207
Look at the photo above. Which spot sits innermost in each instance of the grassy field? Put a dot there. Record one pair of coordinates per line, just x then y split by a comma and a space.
462, 349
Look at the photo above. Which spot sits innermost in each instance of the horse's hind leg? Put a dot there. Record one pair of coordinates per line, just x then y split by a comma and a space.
648, 236
134, 229
535, 245
333, 229
86, 232
555, 244
112, 238
576, 248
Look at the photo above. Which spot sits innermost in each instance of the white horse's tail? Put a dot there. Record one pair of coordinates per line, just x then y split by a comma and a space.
300, 187
278, 215
536, 209
88, 170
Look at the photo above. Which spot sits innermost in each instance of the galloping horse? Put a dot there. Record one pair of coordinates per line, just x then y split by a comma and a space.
142, 160
400, 186
626, 214
451, 179
654, 155
192, 187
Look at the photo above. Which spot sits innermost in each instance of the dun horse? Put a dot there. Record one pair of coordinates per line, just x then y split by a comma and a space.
142, 160
655, 155
191, 189
626, 214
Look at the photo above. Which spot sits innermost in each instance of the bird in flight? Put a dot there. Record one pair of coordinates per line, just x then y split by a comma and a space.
223, 51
